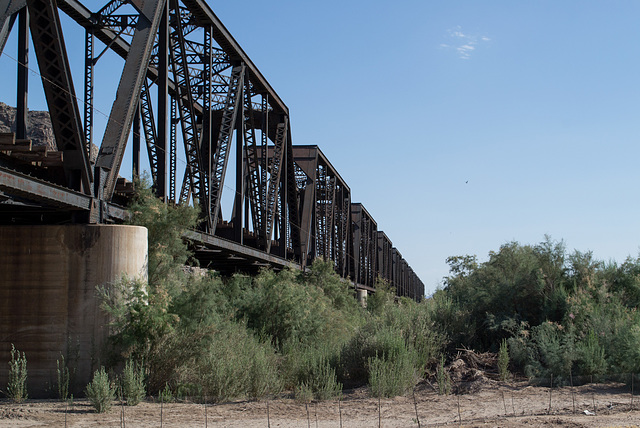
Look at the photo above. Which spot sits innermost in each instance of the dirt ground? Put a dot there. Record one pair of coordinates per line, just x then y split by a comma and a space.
493, 404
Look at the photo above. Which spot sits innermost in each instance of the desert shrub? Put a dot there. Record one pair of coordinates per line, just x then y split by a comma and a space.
165, 395
284, 307
322, 275
377, 341
503, 361
552, 352
591, 356
17, 386
303, 393
393, 375
200, 302
232, 363
280, 307
371, 340
414, 322
101, 391
321, 378
139, 315
519, 283
264, 379
382, 298
132, 381
443, 378
311, 369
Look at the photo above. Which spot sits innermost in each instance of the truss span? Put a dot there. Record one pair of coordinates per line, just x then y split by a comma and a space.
206, 114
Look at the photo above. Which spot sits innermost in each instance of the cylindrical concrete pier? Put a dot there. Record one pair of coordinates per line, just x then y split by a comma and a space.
48, 301
361, 295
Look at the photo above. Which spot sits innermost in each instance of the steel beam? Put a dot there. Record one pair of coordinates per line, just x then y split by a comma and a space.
23, 74
224, 244
24, 186
8, 12
59, 91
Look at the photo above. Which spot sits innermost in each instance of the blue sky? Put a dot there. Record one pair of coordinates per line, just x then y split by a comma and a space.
461, 125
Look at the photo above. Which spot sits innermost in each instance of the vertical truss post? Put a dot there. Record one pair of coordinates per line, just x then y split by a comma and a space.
150, 135
185, 101
330, 214
263, 165
250, 153
345, 221
229, 117
23, 74
135, 140
160, 180
172, 152
319, 211
207, 131
239, 186
274, 180
356, 260
282, 206
364, 266
293, 201
88, 90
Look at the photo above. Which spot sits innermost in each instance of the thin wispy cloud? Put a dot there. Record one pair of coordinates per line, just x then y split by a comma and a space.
464, 44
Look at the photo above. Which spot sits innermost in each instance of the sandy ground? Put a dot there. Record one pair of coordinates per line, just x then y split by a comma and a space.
494, 405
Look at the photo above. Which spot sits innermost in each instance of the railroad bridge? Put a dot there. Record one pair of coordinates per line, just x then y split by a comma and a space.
192, 108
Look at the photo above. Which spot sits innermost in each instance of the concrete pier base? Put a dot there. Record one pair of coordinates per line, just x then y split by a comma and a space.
362, 297
48, 301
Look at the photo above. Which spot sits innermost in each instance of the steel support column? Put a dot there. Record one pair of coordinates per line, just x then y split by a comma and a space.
23, 74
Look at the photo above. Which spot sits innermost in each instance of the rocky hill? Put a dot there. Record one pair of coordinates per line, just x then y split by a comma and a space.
39, 128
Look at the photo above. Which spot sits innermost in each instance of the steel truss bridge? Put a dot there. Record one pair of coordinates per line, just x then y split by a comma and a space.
191, 97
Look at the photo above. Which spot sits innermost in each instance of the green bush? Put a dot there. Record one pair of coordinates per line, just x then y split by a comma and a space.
591, 356
372, 340
393, 375
303, 393
229, 362
62, 378
101, 391
132, 381
553, 351
310, 370
165, 395
17, 386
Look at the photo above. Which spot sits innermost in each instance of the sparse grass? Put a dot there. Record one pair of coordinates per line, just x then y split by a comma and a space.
443, 378
17, 386
62, 378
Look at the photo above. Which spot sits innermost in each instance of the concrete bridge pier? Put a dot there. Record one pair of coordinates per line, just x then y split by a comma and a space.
48, 301
361, 295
